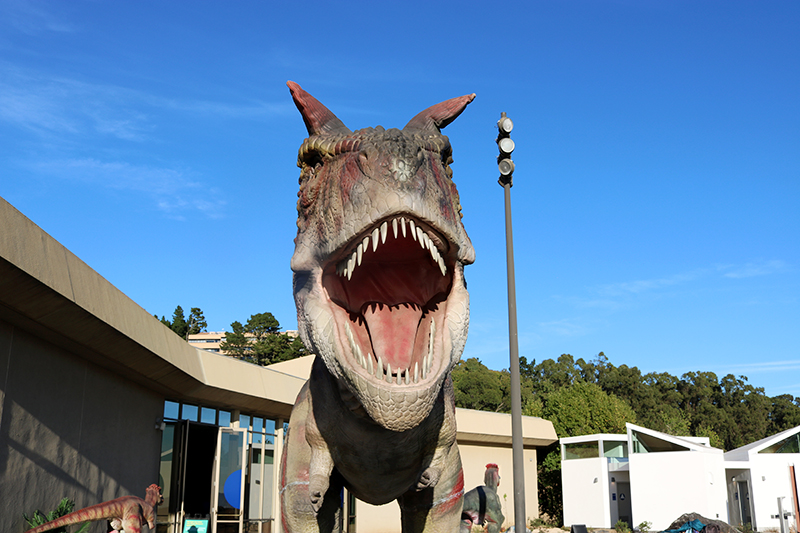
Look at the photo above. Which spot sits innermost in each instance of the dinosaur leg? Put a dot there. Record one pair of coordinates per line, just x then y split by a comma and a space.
300, 514
132, 519
436, 509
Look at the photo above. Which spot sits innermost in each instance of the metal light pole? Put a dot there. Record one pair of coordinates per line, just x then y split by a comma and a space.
506, 167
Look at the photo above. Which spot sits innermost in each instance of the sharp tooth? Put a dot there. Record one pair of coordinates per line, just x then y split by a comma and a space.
388, 372
399, 378
394, 227
351, 263
413, 228
422, 238
442, 266
424, 372
408, 376
416, 372
375, 238
384, 231
403, 225
349, 332
365, 242
379, 370
369, 364
359, 253
434, 253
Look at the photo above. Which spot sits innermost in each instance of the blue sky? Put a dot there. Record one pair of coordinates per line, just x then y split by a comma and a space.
656, 199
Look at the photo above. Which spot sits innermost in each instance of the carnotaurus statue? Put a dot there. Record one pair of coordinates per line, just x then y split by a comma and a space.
381, 299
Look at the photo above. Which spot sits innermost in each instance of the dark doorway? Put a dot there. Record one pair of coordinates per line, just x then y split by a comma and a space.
199, 449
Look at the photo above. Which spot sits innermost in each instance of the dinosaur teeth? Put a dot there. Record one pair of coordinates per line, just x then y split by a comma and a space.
388, 372
379, 235
416, 372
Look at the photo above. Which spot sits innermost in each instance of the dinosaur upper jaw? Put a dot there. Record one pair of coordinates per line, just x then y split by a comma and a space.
388, 312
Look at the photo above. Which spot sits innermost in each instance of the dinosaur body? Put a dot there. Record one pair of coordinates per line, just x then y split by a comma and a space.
482, 505
381, 299
127, 513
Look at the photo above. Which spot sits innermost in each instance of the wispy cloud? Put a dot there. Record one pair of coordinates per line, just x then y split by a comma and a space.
175, 192
32, 17
764, 366
749, 270
564, 327
57, 105
647, 285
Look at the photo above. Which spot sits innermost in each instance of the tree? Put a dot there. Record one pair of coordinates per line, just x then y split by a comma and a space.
476, 386
260, 341
236, 343
179, 324
197, 322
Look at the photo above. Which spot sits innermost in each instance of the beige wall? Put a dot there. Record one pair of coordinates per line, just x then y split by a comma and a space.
474, 457
69, 428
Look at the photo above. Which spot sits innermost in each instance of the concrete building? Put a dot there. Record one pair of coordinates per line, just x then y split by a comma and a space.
98, 399
646, 475
210, 340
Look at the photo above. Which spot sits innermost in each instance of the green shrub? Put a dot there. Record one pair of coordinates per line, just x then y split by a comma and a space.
64, 508
622, 527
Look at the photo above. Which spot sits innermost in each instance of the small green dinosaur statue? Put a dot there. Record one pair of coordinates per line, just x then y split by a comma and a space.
482, 505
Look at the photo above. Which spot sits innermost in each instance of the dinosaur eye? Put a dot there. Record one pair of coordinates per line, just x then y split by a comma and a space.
312, 158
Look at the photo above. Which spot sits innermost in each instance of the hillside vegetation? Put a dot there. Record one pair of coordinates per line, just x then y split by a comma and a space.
581, 397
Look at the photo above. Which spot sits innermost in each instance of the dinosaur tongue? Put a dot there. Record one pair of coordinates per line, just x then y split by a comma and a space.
392, 330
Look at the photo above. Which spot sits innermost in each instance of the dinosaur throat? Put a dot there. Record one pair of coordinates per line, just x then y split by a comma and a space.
389, 289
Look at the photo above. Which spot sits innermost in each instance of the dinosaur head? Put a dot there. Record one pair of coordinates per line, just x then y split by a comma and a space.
379, 258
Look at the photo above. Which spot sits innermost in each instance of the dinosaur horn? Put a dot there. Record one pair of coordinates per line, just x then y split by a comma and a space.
440, 115
318, 118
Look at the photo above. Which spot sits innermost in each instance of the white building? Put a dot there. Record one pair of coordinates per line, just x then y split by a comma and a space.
650, 476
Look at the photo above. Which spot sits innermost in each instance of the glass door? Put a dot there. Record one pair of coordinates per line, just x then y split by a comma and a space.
227, 491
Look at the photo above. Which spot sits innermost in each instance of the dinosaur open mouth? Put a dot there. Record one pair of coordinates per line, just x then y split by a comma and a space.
390, 288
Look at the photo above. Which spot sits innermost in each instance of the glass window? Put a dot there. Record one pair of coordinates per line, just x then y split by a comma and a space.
615, 449
171, 410
581, 450
208, 416
258, 424
224, 419
244, 421
787, 445
269, 426
189, 412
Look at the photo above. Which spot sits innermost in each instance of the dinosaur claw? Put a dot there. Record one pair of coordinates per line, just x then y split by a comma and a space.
316, 501
317, 487
429, 478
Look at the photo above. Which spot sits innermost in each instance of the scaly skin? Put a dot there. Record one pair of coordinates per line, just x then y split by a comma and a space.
482, 505
127, 513
381, 299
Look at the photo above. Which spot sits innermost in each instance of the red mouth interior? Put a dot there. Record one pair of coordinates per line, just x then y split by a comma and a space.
390, 299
